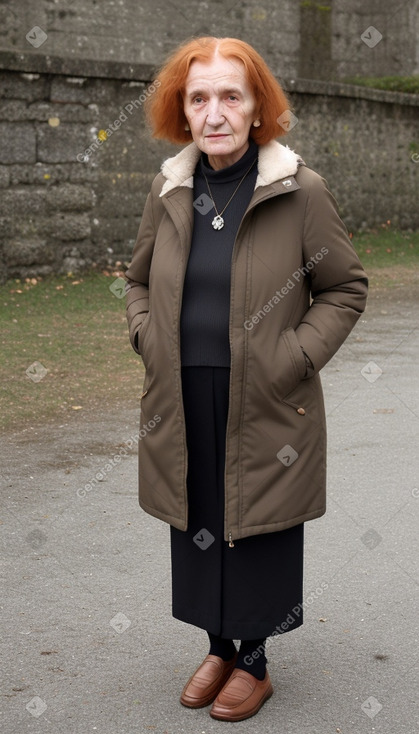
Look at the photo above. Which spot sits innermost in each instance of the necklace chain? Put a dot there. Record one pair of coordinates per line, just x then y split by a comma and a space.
218, 221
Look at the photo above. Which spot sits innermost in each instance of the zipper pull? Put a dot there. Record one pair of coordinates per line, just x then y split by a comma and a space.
230, 540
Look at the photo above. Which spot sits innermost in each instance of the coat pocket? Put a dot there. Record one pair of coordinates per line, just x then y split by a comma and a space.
290, 364
141, 332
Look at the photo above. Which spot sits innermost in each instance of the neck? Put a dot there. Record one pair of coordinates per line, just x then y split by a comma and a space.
217, 162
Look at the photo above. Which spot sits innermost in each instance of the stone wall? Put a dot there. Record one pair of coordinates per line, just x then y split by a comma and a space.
365, 142
76, 160
390, 48
299, 38
146, 31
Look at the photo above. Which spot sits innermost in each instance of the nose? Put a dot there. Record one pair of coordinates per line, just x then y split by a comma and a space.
214, 114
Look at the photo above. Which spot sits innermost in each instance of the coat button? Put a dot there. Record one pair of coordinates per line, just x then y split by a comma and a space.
301, 411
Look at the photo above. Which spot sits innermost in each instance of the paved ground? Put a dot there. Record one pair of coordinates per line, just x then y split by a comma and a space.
90, 644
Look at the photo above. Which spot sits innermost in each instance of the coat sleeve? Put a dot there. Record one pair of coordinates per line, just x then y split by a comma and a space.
137, 274
338, 281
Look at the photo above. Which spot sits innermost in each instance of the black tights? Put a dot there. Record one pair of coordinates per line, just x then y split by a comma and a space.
251, 656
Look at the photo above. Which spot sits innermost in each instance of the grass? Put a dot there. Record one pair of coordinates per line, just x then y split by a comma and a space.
389, 256
76, 329
407, 84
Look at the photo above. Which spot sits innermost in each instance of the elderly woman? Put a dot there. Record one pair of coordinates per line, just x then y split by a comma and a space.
243, 284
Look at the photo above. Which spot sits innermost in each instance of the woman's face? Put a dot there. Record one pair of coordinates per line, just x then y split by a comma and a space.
219, 108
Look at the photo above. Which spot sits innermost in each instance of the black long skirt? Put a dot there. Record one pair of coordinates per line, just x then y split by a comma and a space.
254, 589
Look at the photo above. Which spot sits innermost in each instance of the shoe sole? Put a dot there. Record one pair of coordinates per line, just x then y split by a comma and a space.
199, 705
254, 711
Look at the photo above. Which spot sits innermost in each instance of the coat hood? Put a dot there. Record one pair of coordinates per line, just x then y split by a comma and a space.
275, 161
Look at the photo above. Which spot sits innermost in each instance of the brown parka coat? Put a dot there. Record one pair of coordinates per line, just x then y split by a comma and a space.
296, 284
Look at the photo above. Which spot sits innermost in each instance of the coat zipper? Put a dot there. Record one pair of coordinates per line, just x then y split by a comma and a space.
250, 208
230, 535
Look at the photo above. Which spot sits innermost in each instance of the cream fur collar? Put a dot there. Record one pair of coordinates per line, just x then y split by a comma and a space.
276, 161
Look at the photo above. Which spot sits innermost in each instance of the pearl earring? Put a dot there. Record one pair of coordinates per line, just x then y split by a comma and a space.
187, 128
256, 123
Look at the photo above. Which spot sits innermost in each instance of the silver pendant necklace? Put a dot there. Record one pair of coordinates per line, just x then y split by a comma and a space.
218, 221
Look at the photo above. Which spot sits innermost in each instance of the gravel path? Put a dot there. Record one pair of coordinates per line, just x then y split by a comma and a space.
90, 643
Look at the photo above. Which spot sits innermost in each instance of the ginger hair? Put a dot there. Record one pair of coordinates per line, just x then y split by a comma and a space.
164, 108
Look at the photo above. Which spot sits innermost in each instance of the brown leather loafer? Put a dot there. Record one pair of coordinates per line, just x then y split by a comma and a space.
207, 681
242, 696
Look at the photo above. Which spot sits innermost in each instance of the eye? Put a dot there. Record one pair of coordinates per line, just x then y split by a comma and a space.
198, 100
233, 97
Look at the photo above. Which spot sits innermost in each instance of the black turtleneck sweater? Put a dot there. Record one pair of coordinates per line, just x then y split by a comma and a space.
204, 323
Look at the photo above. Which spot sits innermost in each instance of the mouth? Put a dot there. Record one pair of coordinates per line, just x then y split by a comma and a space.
215, 136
